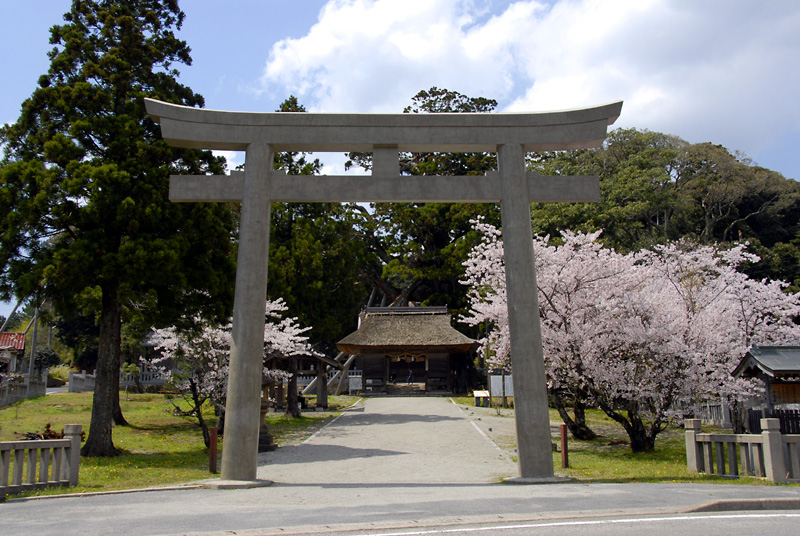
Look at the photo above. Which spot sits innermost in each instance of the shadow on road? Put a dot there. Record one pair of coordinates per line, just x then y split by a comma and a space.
326, 453
393, 419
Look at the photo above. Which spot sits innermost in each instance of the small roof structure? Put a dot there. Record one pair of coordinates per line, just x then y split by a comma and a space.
773, 361
393, 329
12, 347
12, 341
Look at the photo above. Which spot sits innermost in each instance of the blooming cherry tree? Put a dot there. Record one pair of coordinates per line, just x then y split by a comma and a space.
644, 335
202, 355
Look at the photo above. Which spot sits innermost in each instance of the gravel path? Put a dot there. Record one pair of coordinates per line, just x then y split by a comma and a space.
423, 440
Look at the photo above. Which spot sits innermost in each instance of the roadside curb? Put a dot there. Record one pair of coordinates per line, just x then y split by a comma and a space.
736, 505
96, 493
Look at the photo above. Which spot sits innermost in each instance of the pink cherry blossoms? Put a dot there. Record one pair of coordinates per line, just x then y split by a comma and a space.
643, 336
202, 355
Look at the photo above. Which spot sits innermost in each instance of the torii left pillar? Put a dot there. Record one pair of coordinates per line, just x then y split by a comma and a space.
240, 441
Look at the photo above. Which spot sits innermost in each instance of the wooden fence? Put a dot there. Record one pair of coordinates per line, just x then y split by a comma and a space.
57, 461
789, 419
770, 454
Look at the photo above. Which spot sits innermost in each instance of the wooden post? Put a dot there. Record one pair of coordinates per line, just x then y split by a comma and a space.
564, 447
212, 452
322, 388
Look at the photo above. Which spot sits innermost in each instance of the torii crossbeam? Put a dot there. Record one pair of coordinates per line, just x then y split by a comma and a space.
260, 135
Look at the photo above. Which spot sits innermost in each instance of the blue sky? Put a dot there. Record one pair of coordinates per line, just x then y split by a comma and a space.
724, 71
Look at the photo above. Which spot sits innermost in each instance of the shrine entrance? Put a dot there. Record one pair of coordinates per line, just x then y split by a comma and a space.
260, 135
411, 346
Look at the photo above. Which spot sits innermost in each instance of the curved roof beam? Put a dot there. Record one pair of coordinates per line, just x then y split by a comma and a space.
197, 128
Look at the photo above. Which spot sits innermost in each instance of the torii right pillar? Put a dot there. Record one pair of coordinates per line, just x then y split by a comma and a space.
527, 357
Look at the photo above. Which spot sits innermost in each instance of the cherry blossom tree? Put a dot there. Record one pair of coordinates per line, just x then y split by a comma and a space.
643, 336
201, 355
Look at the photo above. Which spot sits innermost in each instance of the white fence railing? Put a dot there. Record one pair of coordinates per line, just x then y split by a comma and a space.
40, 463
147, 377
80, 382
19, 389
770, 454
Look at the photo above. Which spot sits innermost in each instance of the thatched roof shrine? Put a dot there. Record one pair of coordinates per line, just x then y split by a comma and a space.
393, 329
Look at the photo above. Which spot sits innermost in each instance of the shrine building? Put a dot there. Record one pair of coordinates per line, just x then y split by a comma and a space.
410, 346
778, 367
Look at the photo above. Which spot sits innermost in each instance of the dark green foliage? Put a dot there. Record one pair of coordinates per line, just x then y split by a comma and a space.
316, 266
656, 187
81, 334
85, 215
46, 358
421, 246
316, 262
781, 261
14, 321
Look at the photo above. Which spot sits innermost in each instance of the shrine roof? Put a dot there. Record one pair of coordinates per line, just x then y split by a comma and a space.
12, 340
773, 361
398, 328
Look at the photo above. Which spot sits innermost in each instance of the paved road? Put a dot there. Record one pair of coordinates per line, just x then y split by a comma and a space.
395, 465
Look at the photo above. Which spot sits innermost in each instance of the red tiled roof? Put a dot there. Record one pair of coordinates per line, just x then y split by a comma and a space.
12, 340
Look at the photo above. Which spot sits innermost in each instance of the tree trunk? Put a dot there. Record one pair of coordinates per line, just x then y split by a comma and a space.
119, 418
198, 410
577, 426
220, 411
106, 392
738, 417
291, 395
641, 440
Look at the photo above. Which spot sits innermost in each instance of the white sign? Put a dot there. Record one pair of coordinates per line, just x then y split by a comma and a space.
496, 386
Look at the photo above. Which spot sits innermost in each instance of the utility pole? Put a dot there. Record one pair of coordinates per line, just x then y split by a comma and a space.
33, 350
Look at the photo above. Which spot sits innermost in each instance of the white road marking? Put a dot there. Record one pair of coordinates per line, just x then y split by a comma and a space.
489, 439
467, 530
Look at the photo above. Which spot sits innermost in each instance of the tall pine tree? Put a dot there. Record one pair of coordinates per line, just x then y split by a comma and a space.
84, 213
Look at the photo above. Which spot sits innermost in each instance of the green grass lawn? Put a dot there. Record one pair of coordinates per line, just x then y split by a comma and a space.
158, 448
608, 458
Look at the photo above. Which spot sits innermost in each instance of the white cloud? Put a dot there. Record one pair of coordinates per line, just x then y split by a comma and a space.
370, 56
718, 70
234, 158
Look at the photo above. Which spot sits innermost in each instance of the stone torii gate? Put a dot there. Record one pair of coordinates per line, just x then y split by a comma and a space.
260, 135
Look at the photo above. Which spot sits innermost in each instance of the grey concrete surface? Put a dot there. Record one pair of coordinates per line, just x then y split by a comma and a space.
535, 456
243, 403
197, 128
382, 188
391, 465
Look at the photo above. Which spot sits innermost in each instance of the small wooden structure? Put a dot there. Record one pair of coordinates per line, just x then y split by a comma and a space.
778, 367
12, 349
409, 345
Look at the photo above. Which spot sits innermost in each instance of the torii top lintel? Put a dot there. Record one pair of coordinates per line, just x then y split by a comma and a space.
197, 128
